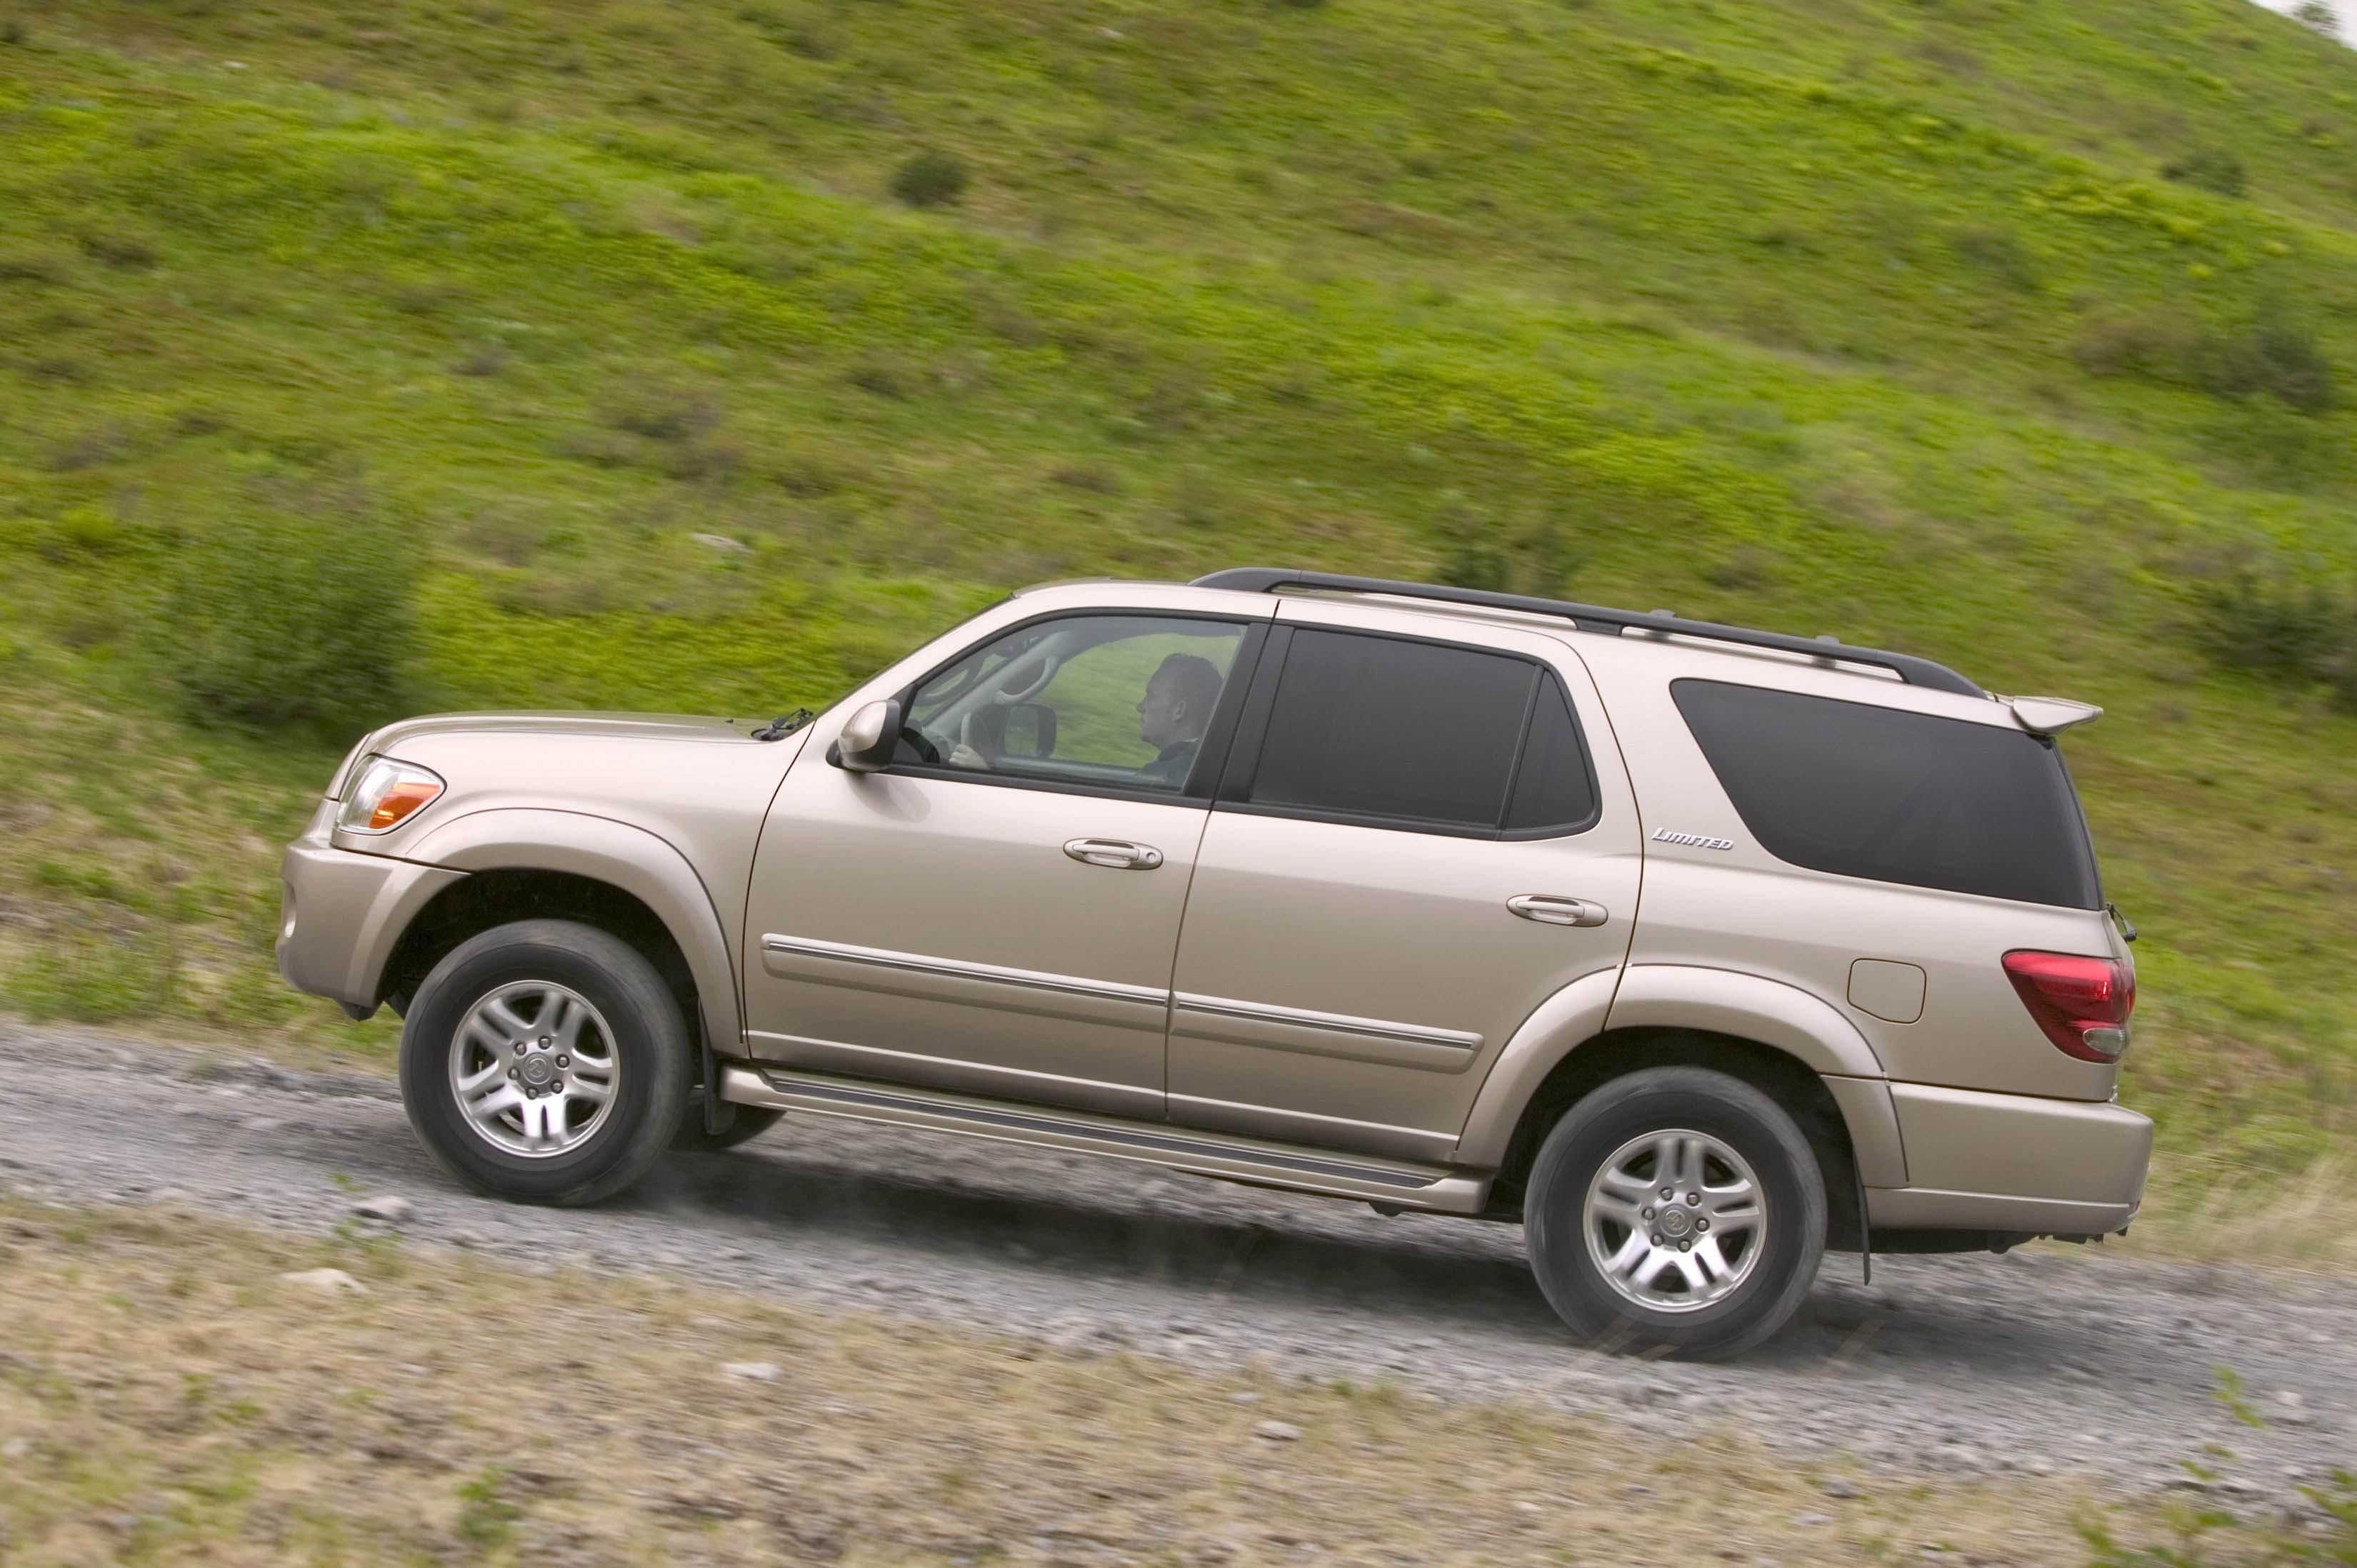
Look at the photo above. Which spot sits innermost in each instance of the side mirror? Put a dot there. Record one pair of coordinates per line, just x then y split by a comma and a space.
1024, 730
866, 742
1032, 731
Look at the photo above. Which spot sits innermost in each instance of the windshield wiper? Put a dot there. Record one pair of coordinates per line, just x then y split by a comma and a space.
784, 725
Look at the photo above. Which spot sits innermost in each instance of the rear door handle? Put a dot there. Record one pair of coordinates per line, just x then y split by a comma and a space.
1549, 910
1119, 853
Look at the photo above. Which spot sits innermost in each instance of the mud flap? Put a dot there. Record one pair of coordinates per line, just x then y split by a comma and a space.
1865, 1226
718, 1114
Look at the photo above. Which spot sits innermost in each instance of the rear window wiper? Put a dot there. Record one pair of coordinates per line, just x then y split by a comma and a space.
784, 725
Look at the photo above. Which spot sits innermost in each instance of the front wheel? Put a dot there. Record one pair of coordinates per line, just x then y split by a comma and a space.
545, 1061
1677, 1211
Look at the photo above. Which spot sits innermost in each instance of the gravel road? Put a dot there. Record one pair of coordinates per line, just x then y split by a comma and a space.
2039, 1362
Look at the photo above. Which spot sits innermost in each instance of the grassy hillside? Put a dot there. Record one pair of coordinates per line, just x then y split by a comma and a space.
594, 334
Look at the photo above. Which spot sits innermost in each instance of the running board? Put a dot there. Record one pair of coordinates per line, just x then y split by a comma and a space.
1391, 1184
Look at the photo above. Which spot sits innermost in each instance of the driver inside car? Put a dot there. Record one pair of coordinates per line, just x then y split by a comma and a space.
1171, 717
1177, 704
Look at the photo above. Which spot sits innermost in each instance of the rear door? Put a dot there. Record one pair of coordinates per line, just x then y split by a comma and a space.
1421, 835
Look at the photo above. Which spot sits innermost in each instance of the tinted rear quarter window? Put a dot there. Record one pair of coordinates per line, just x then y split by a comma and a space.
1555, 789
1377, 726
1860, 790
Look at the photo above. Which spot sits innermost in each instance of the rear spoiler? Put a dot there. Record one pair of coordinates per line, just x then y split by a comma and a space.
2050, 715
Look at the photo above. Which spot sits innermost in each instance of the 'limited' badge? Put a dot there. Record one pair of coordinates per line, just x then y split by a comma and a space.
1695, 841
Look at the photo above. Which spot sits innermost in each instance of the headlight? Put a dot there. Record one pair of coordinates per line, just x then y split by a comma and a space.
387, 794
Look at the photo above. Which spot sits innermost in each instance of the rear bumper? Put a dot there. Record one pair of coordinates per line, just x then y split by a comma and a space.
2014, 1163
340, 914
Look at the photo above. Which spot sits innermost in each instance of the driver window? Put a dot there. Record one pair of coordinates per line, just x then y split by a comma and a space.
1118, 701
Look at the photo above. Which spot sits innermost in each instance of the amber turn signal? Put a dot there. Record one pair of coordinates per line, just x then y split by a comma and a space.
387, 794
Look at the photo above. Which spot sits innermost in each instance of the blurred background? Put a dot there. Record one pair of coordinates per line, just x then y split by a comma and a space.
358, 359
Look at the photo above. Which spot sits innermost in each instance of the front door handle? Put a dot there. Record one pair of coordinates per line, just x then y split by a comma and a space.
1549, 910
1119, 853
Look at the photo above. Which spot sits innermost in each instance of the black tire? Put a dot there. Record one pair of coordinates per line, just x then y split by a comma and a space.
1790, 1237
748, 1123
651, 1045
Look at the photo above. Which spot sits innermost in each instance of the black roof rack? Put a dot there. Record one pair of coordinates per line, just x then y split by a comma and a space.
1593, 618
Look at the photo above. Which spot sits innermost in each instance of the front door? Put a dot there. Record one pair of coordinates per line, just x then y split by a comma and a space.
997, 912
1417, 843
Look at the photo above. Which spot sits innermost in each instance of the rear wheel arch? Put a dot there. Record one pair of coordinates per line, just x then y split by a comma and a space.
1614, 1053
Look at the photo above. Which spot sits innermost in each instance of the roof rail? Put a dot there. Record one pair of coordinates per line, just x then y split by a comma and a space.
1593, 618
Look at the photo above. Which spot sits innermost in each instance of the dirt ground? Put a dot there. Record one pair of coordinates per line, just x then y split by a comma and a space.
166, 1395
2049, 1364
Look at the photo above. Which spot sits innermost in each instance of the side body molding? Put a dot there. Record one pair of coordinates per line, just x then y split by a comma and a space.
1692, 997
631, 858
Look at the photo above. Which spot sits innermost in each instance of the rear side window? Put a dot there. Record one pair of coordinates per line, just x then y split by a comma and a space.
1376, 726
1555, 789
1860, 790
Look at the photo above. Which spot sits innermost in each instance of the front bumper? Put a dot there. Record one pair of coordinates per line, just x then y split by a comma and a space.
2014, 1163
340, 914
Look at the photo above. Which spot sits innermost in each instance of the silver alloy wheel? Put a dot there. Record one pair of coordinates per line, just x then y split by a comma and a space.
1674, 1219
533, 1068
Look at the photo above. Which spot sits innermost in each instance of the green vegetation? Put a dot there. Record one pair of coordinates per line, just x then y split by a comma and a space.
625, 334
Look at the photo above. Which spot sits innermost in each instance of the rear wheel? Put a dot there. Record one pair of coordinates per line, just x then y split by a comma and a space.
1676, 1210
545, 1061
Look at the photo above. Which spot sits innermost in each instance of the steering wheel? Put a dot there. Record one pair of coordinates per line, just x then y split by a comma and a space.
922, 745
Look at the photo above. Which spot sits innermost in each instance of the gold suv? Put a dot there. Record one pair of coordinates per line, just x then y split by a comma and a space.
1696, 950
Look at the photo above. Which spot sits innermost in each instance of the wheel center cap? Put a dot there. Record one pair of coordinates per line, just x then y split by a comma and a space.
1675, 1223
538, 1069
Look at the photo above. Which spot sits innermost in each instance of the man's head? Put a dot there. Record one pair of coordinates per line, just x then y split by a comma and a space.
1178, 701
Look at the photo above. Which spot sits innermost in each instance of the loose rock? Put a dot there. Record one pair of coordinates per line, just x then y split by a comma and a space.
388, 1207
327, 1282
1278, 1430
755, 1371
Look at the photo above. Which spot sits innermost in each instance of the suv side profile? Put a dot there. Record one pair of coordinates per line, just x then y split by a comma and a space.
1697, 949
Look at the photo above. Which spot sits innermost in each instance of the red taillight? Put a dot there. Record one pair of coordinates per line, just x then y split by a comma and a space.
2082, 1004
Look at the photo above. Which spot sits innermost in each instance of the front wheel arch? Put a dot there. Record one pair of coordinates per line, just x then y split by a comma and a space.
645, 867
483, 899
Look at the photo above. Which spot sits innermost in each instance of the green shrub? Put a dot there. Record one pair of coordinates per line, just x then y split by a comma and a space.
662, 413
929, 178
2000, 254
2282, 361
1477, 566
2280, 449
2213, 170
2277, 357
2150, 345
280, 620
2301, 629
